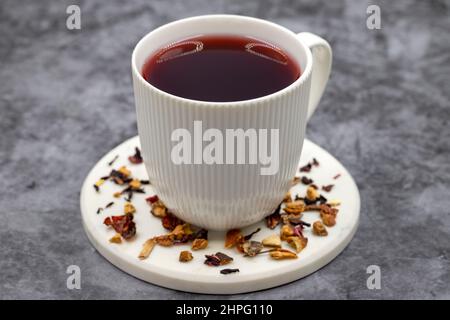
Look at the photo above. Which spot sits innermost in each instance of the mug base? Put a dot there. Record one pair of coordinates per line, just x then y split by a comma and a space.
261, 272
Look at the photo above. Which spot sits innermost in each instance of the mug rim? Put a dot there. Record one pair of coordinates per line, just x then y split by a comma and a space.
293, 86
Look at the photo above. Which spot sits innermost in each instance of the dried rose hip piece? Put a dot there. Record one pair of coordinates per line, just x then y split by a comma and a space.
122, 224
137, 157
185, 256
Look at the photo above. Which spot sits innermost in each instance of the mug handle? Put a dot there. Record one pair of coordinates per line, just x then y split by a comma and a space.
321, 67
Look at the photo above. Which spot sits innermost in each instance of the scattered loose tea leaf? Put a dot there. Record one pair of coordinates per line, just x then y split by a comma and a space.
200, 234
218, 259
98, 184
137, 157
113, 160
185, 256
337, 176
147, 248
315, 162
250, 235
322, 199
169, 221
306, 168
99, 210
228, 271
306, 180
145, 182
328, 187
297, 221
109, 205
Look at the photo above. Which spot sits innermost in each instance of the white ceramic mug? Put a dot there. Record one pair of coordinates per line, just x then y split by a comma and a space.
225, 196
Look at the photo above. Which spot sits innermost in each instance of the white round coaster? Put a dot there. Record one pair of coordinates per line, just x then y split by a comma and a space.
261, 272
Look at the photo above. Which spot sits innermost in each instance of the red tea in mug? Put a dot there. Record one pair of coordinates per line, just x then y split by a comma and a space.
220, 68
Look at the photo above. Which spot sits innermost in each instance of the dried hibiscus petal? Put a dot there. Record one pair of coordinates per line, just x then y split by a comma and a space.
306, 180
306, 168
218, 259
152, 199
169, 221
137, 157
122, 224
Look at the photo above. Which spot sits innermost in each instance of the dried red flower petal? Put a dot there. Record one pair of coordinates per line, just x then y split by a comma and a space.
306, 168
169, 221
306, 180
152, 199
217, 259
328, 187
122, 224
137, 157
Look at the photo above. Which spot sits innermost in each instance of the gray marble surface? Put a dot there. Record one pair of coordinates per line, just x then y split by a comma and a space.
66, 99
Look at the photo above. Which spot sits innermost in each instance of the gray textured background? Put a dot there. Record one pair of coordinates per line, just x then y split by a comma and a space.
66, 99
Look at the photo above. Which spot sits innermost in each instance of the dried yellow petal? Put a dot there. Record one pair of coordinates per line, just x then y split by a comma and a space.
117, 238
129, 208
